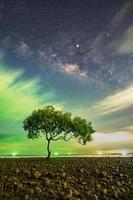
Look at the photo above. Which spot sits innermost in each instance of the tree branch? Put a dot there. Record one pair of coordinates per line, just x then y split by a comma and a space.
62, 137
59, 138
48, 137
81, 142
54, 136
68, 138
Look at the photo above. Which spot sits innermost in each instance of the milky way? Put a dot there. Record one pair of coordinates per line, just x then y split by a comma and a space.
76, 55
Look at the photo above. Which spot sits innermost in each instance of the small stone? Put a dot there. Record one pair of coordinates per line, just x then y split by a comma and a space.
95, 197
121, 175
65, 184
98, 186
123, 190
105, 191
26, 196
15, 183
33, 183
63, 175
84, 183
47, 181
89, 193
38, 190
17, 170
118, 183
31, 191
115, 193
20, 186
76, 193
37, 174
68, 195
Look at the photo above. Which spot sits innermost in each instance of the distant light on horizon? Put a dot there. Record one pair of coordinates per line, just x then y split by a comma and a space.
14, 154
124, 153
99, 153
56, 154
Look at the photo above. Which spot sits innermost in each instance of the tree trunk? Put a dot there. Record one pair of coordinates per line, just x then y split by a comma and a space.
48, 149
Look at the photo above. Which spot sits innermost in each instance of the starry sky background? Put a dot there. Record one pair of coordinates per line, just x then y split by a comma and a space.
74, 54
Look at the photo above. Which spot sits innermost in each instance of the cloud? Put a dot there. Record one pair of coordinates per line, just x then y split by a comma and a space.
115, 137
118, 101
122, 12
107, 143
117, 142
17, 99
125, 45
18, 96
129, 128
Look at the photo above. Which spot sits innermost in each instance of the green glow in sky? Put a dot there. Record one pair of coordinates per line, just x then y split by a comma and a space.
19, 97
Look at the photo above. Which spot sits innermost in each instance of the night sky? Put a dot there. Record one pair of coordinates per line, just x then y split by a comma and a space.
74, 54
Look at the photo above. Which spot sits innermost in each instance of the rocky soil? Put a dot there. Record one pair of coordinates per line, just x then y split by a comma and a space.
66, 178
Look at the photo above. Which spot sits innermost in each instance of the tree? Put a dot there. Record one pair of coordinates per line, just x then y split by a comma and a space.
57, 125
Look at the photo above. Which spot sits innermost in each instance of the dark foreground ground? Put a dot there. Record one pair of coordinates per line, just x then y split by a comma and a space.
66, 178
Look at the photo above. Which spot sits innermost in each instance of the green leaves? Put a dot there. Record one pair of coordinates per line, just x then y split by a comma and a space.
57, 125
82, 130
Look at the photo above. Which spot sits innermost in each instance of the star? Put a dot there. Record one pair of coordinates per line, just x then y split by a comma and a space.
110, 72
108, 35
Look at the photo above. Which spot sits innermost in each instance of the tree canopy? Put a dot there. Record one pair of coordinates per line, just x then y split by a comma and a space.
57, 125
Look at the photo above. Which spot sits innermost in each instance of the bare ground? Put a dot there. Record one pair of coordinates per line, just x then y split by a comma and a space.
66, 178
